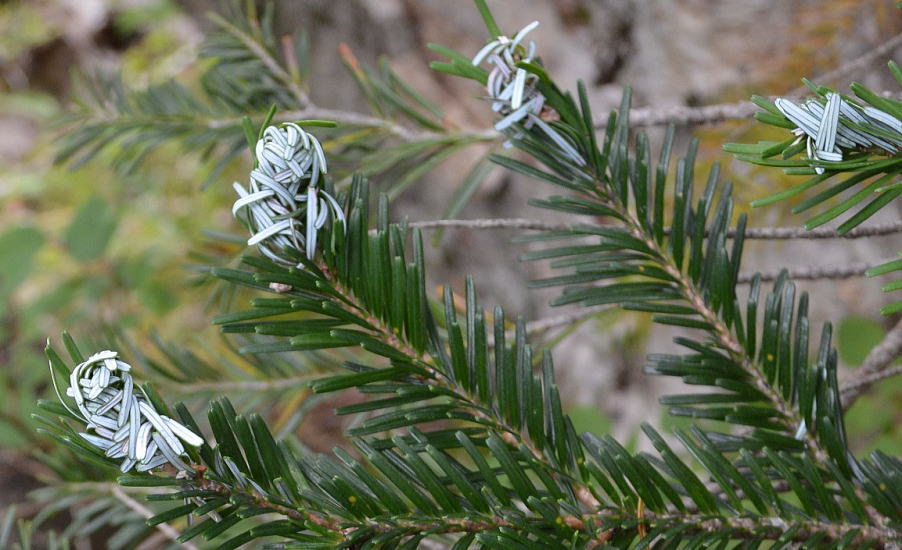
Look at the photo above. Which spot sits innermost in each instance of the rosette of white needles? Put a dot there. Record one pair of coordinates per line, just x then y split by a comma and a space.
284, 203
121, 420
513, 90
837, 127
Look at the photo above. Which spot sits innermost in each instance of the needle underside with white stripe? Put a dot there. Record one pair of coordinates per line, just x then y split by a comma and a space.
123, 422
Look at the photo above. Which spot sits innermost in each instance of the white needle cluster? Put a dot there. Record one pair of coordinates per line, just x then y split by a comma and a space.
832, 129
513, 90
286, 207
120, 418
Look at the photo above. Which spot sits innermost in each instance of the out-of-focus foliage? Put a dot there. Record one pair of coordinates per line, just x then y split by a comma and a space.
111, 254
87, 249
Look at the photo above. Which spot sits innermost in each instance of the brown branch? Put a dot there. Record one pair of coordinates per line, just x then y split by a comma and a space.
396, 340
167, 530
875, 367
770, 528
547, 323
492, 223
863, 383
362, 120
708, 114
682, 115
762, 233
642, 116
787, 233
815, 272
435, 526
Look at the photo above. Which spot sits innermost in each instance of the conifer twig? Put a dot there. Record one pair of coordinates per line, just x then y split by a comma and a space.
491, 223
860, 385
682, 115
876, 366
384, 333
643, 116
816, 272
354, 118
708, 114
763, 233
264, 56
547, 323
169, 531
245, 385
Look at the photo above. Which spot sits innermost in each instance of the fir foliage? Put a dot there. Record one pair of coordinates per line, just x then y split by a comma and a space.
248, 72
463, 439
867, 130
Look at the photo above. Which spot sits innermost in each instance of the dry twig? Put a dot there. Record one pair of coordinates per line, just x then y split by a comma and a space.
169, 531
876, 366
764, 233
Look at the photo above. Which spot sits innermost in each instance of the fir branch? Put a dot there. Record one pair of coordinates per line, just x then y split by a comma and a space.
357, 119
240, 386
604, 179
548, 323
606, 176
485, 413
876, 366
724, 335
833, 134
394, 340
250, 474
506, 468
708, 114
812, 273
757, 233
435, 372
600, 187
418, 523
167, 530
862, 384
739, 528
776, 528
255, 46
209, 116
251, 494
682, 115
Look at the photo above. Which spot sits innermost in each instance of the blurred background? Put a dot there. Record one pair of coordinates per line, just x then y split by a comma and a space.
107, 247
